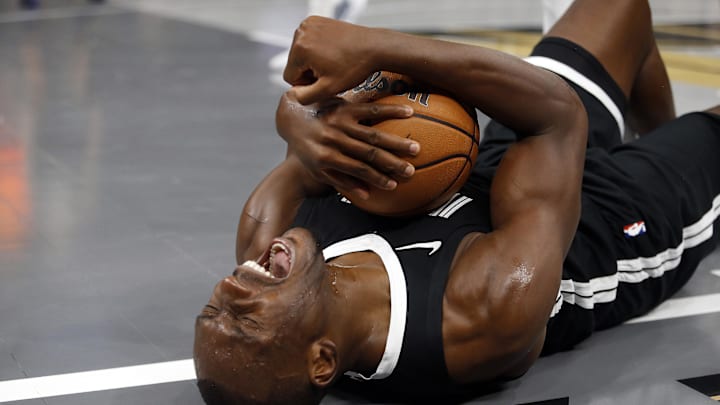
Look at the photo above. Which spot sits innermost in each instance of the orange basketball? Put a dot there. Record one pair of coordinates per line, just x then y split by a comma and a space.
448, 134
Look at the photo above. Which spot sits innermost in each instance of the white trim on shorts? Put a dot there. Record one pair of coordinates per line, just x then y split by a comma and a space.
634, 271
581, 80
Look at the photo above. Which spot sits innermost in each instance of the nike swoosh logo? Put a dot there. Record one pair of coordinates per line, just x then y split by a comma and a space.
433, 246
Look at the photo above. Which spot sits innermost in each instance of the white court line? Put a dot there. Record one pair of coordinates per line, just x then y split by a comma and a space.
97, 380
183, 370
681, 307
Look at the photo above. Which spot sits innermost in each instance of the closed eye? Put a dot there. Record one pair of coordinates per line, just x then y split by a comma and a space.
208, 312
249, 324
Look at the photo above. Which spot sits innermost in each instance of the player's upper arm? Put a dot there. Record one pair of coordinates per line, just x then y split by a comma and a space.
535, 209
543, 172
535, 206
272, 207
514, 272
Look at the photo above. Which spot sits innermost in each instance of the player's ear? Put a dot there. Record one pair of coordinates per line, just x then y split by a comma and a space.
322, 362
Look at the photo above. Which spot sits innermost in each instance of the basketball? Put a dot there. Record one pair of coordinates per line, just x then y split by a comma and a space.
448, 135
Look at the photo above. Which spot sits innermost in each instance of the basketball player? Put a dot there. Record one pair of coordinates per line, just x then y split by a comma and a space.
560, 231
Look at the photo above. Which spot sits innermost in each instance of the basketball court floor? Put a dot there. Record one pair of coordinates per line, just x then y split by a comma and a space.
132, 132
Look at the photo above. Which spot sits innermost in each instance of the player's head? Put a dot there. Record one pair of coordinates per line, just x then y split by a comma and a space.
262, 337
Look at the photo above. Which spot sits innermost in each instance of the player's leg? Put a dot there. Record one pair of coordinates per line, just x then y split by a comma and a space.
672, 182
572, 53
616, 32
606, 51
651, 99
619, 34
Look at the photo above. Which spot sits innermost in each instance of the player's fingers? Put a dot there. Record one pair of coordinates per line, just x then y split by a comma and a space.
347, 186
372, 113
296, 74
378, 158
383, 140
360, 171
319, 90
364, 149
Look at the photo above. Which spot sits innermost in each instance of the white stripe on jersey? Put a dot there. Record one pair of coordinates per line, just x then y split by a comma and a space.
398, 296
455, 203
604, 289
459, 203
442, 207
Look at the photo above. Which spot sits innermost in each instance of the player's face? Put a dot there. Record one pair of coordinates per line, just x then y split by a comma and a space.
256, 325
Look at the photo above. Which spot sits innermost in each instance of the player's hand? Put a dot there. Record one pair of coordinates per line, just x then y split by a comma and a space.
339, 151
327, 57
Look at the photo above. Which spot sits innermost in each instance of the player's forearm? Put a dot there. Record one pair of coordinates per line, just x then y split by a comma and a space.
544, 170
329, 56
521, 96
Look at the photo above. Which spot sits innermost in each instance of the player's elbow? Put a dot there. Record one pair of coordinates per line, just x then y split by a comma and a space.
520, 316
566, 113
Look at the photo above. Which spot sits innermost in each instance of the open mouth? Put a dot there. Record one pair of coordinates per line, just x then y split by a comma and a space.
275, 262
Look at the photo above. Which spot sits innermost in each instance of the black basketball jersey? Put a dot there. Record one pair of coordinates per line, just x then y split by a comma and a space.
423, 248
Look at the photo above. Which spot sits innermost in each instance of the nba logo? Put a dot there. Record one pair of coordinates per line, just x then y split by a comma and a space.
635, 229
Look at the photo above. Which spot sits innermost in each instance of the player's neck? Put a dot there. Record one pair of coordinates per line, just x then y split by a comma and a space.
361, 294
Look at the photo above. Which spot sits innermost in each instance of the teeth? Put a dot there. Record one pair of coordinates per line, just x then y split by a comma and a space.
276, 247
255, 266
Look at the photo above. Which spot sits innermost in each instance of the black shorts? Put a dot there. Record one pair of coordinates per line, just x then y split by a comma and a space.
649, 207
